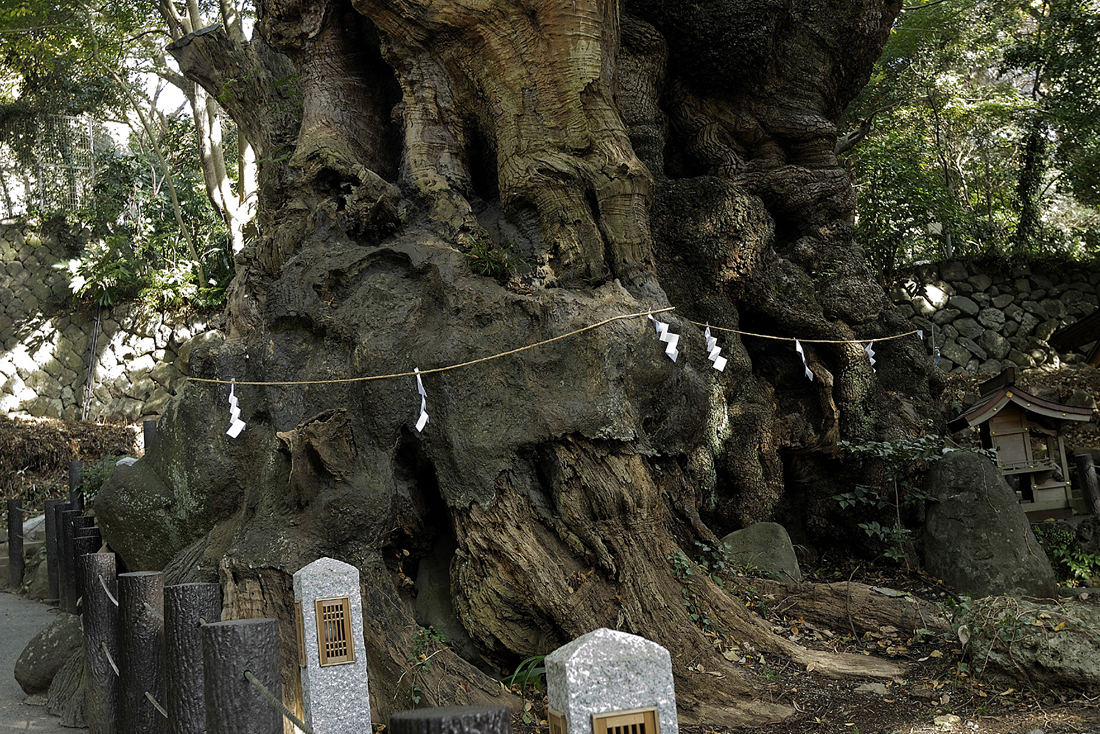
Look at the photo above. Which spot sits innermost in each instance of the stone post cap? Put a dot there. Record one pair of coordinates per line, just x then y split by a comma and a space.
329, 569
603, 646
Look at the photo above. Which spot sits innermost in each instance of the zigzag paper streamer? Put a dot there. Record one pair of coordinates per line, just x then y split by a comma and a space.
423, 419
670, 339
236, 425
809, 372
713, 351
871, 355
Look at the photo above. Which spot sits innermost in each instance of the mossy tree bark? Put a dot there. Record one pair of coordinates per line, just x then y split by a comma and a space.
636, 155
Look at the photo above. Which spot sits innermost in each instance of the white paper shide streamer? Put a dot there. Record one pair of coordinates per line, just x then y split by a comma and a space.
871, 355
236, 425
670, 339
713, 351
801, 353
423, 419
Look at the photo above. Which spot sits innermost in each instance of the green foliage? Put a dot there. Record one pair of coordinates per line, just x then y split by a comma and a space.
1070, 563
531, 671
138, 250
426, 643
684, 570
898, 463
986, 135
499, 261
94, 476
101, 273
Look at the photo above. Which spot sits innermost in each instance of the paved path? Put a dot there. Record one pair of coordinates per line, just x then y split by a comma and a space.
20, 620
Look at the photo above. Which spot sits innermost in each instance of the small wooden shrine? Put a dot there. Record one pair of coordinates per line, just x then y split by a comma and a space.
1025, 432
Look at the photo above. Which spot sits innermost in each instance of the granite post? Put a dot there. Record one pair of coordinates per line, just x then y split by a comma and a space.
334, 666
453, 720
607, 671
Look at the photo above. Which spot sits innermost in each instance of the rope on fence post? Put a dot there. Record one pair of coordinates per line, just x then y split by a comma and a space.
275, 703
109, 660
156, 705
109, 595
154, 612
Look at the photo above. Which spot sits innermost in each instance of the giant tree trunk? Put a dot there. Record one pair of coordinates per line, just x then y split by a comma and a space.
637, 156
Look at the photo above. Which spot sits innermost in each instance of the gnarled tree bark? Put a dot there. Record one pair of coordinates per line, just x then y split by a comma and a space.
637, 155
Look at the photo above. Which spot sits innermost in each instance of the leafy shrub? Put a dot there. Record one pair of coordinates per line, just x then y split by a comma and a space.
1070, 563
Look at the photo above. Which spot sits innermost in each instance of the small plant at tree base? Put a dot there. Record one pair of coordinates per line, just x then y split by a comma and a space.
427, 642
898, 492
498, 261
530, 671
683, 569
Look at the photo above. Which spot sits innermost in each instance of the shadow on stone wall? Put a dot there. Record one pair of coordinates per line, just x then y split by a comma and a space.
140, 359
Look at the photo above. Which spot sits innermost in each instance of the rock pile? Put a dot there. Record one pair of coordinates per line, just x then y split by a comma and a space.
988, 322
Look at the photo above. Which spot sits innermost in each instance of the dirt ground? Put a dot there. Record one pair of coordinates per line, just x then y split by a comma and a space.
934, 696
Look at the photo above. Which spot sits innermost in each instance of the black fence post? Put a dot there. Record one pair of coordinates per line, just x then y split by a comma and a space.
66, 583
76, 525
453, 720
85, 540
96, 572
1086, 474
51, 545
149, 428
16, 562
186, 608
141, 652
76, 473
234, 705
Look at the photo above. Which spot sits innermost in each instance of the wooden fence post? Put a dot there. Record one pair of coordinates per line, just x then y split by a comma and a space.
16, 562
186, 608
51, 545
230, 650
141, 652
96, 572
85, 540
1086, 474
76, 474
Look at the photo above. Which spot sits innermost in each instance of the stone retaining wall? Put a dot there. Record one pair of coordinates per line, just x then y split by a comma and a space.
987, 321
46, 340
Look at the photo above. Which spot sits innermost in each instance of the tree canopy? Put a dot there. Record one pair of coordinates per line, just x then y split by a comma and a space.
984, 133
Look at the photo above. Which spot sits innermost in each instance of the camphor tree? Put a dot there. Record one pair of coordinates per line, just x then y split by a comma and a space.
442, 182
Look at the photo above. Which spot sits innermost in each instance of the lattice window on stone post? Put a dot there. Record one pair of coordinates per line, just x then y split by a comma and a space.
334, 637
632, 721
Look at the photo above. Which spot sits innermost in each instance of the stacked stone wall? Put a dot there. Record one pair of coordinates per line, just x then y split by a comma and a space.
46, 339
987, 320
